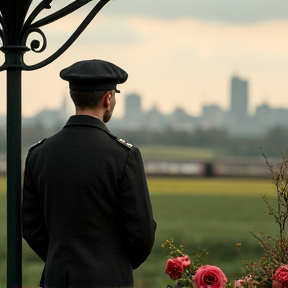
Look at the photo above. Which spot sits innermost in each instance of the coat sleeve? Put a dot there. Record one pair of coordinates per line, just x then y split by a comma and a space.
33, 223
137, 210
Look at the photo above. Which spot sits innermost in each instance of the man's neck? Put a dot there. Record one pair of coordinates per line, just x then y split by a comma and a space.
90, 112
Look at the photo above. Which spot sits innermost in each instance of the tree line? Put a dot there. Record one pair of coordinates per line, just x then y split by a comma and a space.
271, 143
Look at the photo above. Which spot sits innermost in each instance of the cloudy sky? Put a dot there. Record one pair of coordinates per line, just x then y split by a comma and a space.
178, 53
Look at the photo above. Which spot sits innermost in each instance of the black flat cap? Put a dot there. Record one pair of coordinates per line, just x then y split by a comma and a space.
93, 75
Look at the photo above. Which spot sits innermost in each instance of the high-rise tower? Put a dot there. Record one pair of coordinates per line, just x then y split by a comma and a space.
133, 109
238, 114
239, 98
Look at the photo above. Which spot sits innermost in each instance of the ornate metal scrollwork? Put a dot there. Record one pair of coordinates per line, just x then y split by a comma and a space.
8, 27
35, 44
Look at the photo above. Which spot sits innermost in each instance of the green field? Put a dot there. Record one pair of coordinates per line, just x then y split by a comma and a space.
210, 213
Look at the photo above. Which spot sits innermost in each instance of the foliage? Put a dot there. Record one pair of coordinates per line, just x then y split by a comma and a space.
192, 270
195, 261
220, 141
275, 249
216, 142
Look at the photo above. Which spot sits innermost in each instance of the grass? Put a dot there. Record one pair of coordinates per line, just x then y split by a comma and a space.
211, 186
200, 213
3, 220
2, 185
212, 222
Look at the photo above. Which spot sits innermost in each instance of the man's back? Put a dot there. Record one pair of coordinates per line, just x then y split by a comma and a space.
95, 206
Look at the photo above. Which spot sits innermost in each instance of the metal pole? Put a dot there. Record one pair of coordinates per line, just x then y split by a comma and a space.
14, 240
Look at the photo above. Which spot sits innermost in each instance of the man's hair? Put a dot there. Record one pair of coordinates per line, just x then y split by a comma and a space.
89, 99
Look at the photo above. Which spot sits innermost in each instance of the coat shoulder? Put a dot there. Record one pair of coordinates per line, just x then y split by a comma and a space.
121, 141
125, 143
37, 144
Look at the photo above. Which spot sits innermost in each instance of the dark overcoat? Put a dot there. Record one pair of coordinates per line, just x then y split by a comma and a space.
86, 208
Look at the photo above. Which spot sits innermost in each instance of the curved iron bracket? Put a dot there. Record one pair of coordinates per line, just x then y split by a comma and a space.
73, 37
2, 23
30, 27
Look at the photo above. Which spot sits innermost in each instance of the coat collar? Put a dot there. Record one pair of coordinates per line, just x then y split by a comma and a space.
86, 120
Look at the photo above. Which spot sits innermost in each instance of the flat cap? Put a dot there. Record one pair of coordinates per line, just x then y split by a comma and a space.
93, 75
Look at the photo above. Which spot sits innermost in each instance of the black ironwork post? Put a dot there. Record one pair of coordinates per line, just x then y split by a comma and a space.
14, 56
14, 247
14, 32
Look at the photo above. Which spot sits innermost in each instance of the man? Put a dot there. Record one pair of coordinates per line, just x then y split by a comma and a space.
86, 206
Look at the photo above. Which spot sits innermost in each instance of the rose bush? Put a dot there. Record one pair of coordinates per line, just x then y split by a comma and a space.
209, 276
280, 278
185, 260
174, 268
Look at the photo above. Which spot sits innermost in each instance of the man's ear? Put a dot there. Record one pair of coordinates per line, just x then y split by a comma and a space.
106, 99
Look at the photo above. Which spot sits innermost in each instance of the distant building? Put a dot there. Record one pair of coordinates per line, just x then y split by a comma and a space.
268, 117
238, 114
48, 118
239, 98
213, 117
154, 120
133, 108
179, 120
133, 111
2, 121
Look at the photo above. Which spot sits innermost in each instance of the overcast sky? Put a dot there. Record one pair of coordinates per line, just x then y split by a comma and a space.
227, 11
179, 53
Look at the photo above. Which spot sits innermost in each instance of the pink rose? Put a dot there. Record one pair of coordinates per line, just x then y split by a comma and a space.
209, 276
280, 278
276, 284
239, 283
174, 268
185, 260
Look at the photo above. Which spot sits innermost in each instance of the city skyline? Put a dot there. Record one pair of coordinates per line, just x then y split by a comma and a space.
133, 106
120, 109
177, 54
235, 120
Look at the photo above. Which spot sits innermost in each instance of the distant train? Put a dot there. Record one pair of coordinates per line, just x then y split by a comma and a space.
2, 164
216, 168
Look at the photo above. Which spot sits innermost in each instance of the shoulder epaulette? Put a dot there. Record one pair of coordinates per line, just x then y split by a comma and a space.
123, 142
119, 140
37, 144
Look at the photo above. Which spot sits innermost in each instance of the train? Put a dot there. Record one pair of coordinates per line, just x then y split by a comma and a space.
197, 168
255, 168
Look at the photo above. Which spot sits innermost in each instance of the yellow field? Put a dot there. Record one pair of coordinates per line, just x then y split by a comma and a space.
207, 186
211, 186
2, 184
